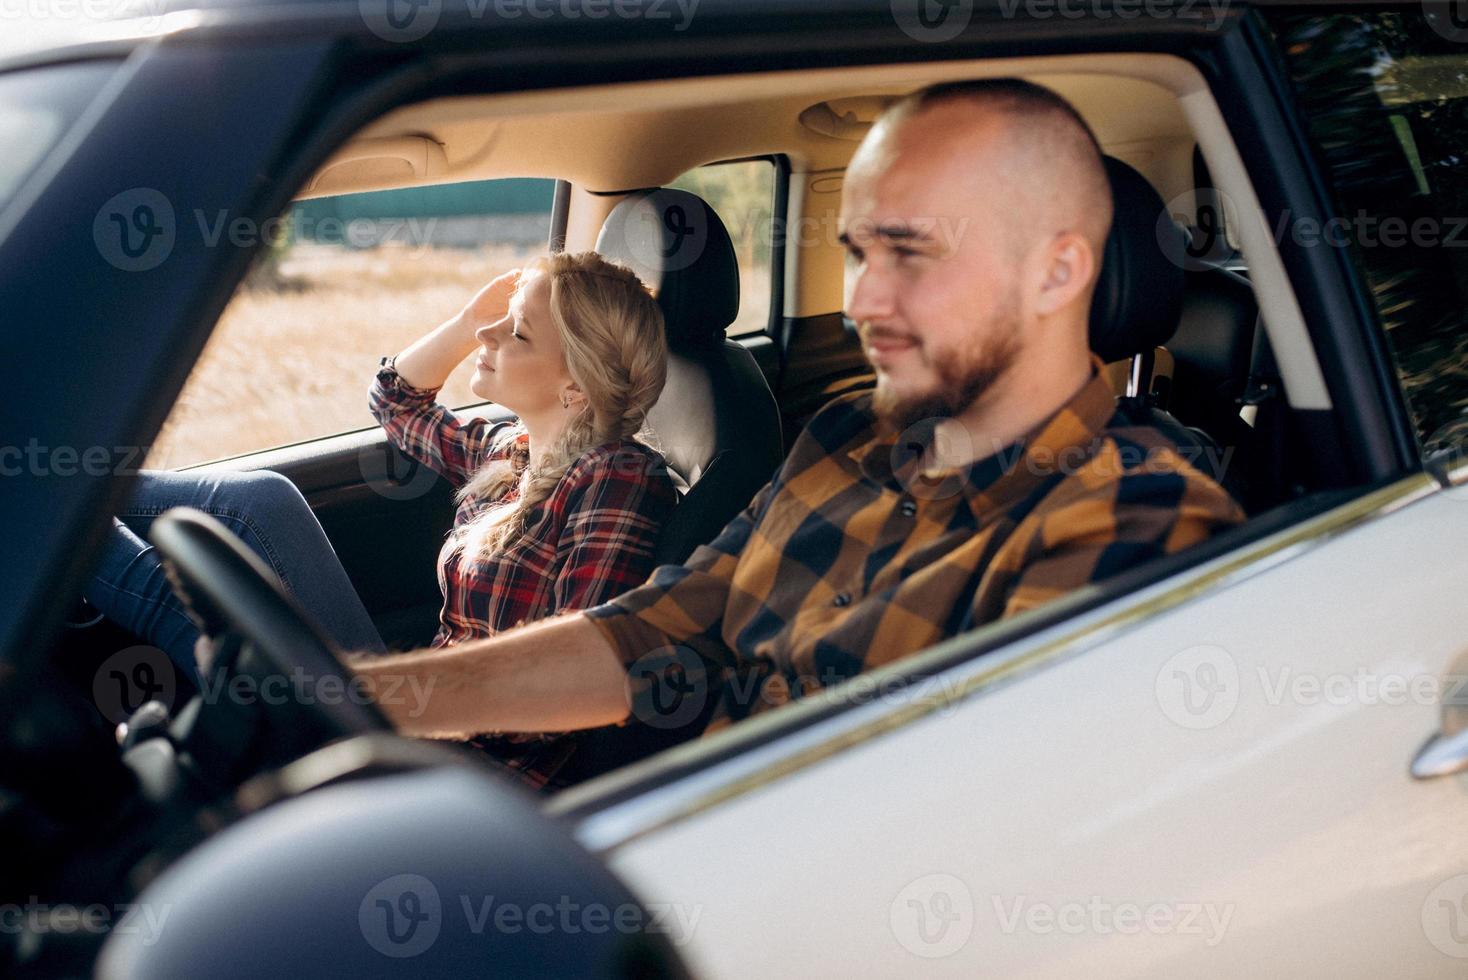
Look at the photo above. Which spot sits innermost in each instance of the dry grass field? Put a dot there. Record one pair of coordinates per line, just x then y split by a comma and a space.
292, 356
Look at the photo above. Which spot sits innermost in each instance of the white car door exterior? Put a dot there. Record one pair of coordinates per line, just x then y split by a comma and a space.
1221, 790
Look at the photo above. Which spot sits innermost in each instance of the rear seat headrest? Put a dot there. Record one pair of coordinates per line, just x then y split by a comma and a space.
676, 243
1139, 292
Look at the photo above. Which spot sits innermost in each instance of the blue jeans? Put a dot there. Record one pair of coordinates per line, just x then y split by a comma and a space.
267, 513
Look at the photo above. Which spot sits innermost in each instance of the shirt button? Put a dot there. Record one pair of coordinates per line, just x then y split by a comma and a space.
909, 508
842, 599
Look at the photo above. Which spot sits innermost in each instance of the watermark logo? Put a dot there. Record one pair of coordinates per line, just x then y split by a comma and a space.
666, 232
933, 916
393, 475
1447, 449
401, 916
400, 21
917, 454
1097, 916
135, 231
129, 679
141, 15
932, 21
671, 687
1449, 18
36, 919
1445, 917
1198, 687
1200, 242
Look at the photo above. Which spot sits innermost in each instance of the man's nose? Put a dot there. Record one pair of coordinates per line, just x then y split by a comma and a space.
872, 296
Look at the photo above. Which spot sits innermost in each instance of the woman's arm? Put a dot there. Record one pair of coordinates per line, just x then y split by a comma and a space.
428, 361
403, 399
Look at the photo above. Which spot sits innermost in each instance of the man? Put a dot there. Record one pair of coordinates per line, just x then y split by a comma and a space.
984, 476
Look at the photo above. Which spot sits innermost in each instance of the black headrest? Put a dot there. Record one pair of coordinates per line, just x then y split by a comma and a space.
1139, 293
676, 243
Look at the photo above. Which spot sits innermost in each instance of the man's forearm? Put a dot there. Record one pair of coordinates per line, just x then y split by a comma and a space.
556, 675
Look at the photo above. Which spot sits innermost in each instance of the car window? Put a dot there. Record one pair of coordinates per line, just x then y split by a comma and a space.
341, 282
742, 193
1385, 96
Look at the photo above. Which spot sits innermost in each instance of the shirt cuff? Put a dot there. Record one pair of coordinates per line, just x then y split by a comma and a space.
629, 637
390, 380
670, 685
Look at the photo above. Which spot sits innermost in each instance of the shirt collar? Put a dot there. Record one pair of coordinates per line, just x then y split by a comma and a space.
1058, 444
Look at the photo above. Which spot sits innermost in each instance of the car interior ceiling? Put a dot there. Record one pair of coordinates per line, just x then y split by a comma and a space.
1180, 323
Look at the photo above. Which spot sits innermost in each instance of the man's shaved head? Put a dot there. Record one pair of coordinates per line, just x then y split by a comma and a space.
1017, 133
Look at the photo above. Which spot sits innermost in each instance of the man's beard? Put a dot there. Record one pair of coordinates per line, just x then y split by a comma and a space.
963, 376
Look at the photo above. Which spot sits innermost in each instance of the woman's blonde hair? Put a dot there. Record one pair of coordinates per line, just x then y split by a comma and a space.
612, 337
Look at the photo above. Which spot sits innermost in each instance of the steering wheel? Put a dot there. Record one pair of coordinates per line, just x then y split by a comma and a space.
229, 590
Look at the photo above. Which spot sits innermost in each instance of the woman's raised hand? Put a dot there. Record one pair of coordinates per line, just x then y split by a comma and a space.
427, 362
492, 302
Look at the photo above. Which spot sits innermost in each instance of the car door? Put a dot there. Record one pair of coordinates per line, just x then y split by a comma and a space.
1221, 789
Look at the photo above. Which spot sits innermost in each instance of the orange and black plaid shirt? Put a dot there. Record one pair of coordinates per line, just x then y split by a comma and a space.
854, 556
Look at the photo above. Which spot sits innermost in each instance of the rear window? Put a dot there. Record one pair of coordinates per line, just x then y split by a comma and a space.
742, 193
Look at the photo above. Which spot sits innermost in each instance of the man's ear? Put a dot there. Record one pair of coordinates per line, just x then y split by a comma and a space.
1069, 269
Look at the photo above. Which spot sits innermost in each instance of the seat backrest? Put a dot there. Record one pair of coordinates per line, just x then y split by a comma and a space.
716, 422
1139, 299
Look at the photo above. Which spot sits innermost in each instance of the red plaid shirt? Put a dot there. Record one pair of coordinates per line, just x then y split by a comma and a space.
590, 540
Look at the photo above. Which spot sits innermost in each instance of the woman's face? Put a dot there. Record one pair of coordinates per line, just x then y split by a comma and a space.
521, 364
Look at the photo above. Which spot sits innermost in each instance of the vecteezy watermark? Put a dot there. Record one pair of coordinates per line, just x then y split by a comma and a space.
1208, 214
932, 21
1100, 917
1209, 13
664, 231
672, 687
406, 21
142, 15
1364, 686
135, 230
300, 686
132, 677
35, 459
144, 920
403, 916
1446, 451
932, 916
1449, 18
389, 472
1198, 687
139, 229
916, 458
1445, 917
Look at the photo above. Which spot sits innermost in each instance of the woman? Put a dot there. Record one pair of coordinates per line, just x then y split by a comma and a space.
559, 510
